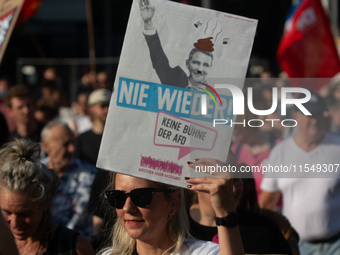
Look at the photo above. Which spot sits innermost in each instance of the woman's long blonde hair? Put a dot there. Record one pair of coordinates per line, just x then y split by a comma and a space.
177, 227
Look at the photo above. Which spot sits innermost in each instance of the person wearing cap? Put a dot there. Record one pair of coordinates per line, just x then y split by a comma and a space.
310, 204
88, 143
87, 149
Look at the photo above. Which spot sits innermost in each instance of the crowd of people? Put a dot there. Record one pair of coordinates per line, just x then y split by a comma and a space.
55, 201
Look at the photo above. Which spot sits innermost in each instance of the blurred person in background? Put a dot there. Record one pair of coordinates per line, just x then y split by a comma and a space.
88, 143
86, 84
333, 89
21, 107
51, 74
4, 86
82, 121
310, 204
249, 202
87, 149
76, 177
54, 93
265, 100
253, 144
334, 112
266, 77
27, 188
45, 111
81, 105
48, 88
103, 81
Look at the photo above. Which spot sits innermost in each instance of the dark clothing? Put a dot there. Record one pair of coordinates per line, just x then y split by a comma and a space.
79, 88
34, 137
4, 132
167, 75
63, 243
99, 206
87, 147
259, 234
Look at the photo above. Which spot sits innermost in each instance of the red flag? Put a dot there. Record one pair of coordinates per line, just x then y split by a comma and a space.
307, 48
29, 8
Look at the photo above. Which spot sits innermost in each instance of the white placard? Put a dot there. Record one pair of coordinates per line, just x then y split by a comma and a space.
155, 124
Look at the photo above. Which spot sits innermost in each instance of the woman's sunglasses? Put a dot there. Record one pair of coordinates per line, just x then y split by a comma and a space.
139, 197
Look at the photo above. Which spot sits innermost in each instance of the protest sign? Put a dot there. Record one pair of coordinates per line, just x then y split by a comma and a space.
172, 57
9, 11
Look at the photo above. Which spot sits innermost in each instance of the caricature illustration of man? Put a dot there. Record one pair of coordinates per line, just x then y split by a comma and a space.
198, 63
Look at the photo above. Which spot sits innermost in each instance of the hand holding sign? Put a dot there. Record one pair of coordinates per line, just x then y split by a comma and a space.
220, 189
155, 118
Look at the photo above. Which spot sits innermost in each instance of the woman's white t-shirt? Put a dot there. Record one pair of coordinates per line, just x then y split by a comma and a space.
193, 247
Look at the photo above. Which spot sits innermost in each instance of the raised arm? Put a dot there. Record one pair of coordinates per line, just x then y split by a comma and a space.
222, 200
147, 11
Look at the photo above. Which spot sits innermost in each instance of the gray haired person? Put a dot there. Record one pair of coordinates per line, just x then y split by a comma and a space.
26, 191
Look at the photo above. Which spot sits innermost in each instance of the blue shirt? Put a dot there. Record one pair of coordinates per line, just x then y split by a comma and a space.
72, 196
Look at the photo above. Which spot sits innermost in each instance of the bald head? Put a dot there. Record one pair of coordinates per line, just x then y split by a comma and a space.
59, 143
54, 126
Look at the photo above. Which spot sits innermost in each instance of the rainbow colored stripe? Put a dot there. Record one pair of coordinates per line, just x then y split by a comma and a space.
208, 92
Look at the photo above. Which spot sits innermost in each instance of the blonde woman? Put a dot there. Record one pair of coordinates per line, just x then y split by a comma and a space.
152, 218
